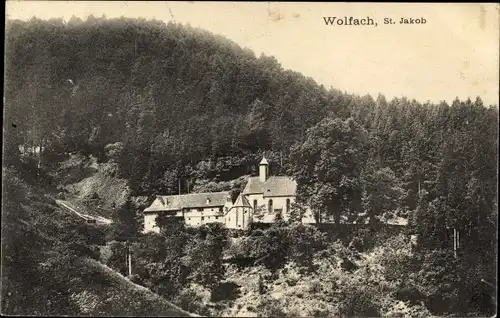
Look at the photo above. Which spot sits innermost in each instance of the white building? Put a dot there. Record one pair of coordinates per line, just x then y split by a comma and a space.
262, 199
270, 195
195, 208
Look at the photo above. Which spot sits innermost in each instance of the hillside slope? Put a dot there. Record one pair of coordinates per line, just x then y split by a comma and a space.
122, 297
47, 265
292, 292
83, 179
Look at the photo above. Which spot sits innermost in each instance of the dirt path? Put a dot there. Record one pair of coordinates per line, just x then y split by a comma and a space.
67, 205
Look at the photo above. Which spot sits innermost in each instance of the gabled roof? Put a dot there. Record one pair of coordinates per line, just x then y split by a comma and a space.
188, 201
263, 161
273, 187
242, 201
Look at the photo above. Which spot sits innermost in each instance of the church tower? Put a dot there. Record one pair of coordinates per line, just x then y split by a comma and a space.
263, 170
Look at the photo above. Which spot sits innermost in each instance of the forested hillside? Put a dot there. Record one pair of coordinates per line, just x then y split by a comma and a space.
48, 260
167, 106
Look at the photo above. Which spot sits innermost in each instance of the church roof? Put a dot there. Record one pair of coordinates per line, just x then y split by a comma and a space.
241, 201
188, 201
274, 186
263, 161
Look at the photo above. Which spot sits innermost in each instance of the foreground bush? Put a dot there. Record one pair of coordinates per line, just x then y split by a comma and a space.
270, 307
194, 298
280, 244
358, 304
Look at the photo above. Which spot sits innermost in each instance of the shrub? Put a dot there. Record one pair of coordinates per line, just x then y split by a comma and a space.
136, 279
358, 303
205, 253
320, 313
192, 300
409, 293
315, 287
86, 301
274, 247
292, 281
226, 291
118, 257
304, 242
357, 244
437, 280
270, 307
262, 287
257, 232
396, 259
348, 265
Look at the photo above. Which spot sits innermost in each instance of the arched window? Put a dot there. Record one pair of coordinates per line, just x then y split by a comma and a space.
270, 206
255, 205
287, 205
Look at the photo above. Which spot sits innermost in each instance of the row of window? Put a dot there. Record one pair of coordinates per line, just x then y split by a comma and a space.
203, 218
229, 219
201, 209
270, 205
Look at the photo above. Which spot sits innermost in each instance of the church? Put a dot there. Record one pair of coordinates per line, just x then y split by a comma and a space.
260, 201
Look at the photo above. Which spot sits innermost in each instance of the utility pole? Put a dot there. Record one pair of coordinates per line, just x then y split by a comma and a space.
456, 241
419, 187
129, 260
281, 161
129, 263
126, 255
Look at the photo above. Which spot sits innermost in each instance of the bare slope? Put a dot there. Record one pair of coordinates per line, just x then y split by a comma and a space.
98, 183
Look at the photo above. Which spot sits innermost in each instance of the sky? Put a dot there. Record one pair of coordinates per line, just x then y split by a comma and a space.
454, 54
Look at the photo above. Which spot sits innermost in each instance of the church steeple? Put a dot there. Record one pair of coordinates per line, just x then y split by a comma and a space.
263, 169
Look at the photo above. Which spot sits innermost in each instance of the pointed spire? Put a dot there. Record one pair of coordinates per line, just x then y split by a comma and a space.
263, 169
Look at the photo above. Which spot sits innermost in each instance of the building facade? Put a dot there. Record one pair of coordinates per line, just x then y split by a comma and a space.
240, 215
196, 209
263, 198
272, 195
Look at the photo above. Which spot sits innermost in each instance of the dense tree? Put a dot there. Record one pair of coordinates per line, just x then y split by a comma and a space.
297, 212
126, 228
382, 193
328, 166
205, 254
